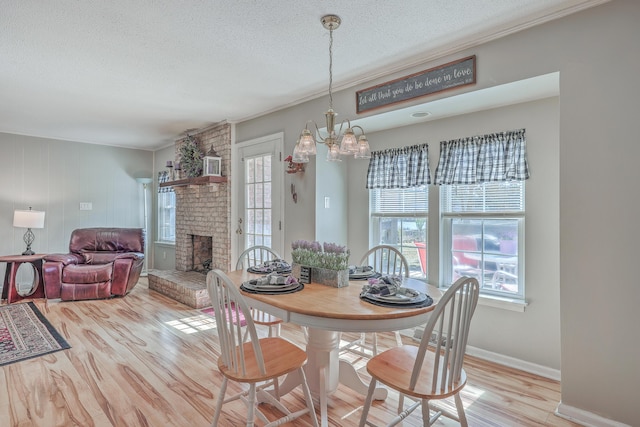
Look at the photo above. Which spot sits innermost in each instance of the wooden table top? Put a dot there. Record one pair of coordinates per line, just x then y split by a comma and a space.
22, 258
324, 301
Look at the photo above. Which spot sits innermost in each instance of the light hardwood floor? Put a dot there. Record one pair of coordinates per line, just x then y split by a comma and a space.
146, 360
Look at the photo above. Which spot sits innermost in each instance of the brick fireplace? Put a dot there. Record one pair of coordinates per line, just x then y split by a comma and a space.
203, 239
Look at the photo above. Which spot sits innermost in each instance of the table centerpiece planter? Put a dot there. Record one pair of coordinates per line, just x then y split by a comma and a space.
328, 267
324, 276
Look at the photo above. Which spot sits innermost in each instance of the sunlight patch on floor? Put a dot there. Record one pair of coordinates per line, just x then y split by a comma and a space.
193, 324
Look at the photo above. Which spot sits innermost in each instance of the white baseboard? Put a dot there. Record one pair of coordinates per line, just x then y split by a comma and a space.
585, 418
512, 362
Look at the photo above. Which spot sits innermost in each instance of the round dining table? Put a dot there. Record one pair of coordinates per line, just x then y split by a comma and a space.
327, 311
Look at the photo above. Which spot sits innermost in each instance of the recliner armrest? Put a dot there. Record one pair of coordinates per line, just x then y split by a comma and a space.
130, 255
65, 259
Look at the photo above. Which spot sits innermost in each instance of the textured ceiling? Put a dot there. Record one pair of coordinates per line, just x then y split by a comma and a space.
138, 73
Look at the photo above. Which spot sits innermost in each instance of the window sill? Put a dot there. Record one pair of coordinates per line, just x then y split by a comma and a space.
163, 243
503, 303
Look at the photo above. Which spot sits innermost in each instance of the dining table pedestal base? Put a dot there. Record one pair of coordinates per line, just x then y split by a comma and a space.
325, 370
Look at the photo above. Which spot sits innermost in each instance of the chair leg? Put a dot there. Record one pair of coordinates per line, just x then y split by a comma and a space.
426, 413
223, 390
374, 344
276, 388
367, 402
308, 398
274, 330
251, 403
462, 418
398, 339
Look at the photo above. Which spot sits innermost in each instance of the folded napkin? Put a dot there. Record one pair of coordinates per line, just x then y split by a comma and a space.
360, 269
272, 265
384, 285
275, 279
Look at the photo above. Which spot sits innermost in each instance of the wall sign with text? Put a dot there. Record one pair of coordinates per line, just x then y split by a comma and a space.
448, 76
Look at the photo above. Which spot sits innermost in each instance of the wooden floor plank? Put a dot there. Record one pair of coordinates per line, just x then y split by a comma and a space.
147, 360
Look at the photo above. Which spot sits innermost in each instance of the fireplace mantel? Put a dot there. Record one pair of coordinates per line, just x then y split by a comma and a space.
200, 180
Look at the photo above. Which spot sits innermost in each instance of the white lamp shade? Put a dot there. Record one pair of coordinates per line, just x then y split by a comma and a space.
28, 219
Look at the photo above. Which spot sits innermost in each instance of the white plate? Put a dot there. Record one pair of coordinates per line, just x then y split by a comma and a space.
266, 287
399, 299
362, 275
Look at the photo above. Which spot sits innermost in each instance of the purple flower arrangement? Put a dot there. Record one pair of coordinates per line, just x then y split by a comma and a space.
330, 255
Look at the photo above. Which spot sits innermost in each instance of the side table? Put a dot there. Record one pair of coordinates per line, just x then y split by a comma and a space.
9, 289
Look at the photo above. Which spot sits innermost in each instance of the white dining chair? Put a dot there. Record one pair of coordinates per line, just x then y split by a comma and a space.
256, 363
252, 257
384, 259
432, 371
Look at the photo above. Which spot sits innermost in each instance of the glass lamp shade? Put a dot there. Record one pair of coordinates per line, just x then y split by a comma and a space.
28, 219
299, 156
363, 151
333, 153
349, 144
307, 143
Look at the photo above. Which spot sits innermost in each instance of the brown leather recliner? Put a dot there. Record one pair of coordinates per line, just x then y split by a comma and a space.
101, 263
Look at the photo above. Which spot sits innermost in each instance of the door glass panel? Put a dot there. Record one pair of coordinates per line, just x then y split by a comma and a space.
258, 208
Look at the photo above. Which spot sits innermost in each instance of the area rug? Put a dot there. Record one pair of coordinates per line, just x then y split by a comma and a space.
209, 311
25, 333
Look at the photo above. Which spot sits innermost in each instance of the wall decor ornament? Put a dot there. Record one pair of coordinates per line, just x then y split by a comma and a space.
191, 158
293, 166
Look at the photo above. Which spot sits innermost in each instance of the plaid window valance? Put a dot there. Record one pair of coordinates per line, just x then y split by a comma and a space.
494, 157
399, 167
163, 176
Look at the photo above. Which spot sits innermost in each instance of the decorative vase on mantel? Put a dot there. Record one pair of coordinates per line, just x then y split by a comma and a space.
324, 276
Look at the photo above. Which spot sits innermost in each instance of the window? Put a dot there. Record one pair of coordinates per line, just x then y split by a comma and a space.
399, 218
483, 235
167, 217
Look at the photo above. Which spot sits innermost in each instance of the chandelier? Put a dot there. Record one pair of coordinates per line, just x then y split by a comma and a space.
338, 143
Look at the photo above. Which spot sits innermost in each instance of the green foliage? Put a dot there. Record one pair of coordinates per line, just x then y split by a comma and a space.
191, 158
334, 257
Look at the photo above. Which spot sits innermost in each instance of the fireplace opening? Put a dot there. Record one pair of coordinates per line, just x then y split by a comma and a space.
202, 252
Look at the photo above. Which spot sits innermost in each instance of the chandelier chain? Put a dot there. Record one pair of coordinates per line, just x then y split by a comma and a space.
330, 67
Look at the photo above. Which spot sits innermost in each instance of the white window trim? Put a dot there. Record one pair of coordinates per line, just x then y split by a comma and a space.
502, 303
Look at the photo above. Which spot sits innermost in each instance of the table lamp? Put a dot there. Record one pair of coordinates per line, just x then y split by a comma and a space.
28, 219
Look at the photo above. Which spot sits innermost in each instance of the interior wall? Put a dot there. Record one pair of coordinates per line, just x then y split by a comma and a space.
55, 176
599, 211
332, 201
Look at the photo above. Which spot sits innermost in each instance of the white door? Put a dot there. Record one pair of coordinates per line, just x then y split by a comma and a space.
260, 187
